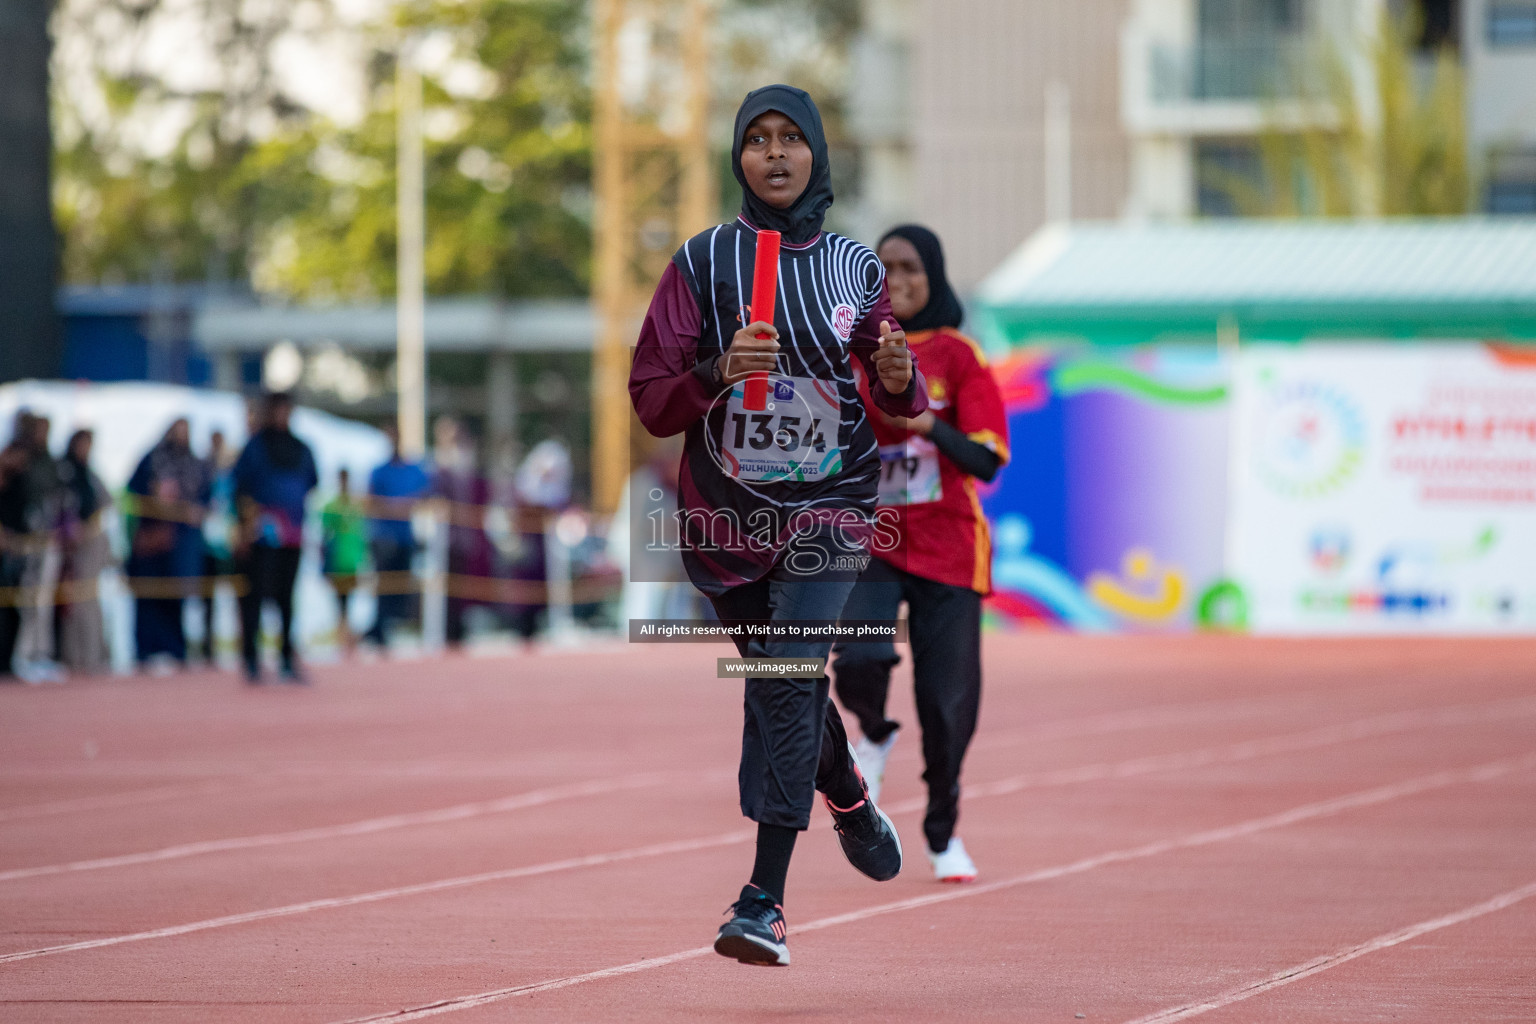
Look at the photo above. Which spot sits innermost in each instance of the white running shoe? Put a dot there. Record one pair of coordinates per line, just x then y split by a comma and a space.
954, 864
39, 671
872, 757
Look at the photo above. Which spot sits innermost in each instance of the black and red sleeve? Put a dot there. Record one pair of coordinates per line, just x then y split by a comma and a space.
669, 386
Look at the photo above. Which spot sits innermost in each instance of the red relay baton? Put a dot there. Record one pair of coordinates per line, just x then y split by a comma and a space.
765, 295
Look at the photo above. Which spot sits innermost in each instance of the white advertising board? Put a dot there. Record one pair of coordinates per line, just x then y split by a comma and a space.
1384, 488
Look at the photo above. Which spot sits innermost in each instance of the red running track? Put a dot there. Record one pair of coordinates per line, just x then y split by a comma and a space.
1167, 828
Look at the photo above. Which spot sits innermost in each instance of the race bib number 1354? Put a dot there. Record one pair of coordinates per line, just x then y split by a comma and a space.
793, 439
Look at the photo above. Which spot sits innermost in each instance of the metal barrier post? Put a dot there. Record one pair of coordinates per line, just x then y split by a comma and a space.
434, 582
557, 559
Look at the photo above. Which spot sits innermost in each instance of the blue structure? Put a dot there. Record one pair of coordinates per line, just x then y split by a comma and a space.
139, 332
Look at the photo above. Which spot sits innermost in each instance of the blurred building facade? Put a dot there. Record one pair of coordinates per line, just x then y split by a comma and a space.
493, 362
1201, 78
984, 118
1498, 44
989, 118
509, 369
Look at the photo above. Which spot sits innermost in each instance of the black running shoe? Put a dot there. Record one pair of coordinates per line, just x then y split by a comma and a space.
755, 932
868, 838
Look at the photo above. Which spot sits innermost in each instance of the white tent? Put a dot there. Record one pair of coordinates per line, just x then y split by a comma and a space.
129, 418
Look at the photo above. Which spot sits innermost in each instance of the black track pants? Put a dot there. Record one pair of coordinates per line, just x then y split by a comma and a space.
792, 740
270, 574
944, 630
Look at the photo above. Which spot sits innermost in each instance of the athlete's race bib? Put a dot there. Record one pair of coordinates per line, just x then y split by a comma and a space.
909, 473
794, 438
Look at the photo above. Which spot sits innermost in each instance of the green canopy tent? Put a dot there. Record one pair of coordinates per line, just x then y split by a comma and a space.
1161, 283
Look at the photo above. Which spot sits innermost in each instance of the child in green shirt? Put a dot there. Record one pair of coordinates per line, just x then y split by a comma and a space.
343, 542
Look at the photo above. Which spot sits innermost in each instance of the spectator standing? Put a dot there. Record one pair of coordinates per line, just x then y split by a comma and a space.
14, 531
343, 543
458, 482
40, 564
543, 485
80, 635
272, 478
165, 547
394, 488
218, 560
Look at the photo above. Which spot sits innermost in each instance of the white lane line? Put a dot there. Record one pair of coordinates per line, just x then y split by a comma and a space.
1334, 959
368, 826
550, 867
1067, 776
111, 801
1145, 717
1152, 716
1246, 750
1305, 812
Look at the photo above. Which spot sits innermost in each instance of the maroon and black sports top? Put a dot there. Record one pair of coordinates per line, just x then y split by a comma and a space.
751, 478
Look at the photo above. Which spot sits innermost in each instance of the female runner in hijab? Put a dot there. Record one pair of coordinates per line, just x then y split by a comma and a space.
776, 506
941, 563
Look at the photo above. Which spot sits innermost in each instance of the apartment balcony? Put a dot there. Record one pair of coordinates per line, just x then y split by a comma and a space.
1222, 72
1222, 87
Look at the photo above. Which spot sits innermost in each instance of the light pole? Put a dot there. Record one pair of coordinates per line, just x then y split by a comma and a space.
410, 267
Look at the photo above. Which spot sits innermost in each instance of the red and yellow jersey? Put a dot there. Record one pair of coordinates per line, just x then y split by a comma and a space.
933, 525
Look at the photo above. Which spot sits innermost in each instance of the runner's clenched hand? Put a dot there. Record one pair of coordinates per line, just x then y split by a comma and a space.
749, 354
893, 360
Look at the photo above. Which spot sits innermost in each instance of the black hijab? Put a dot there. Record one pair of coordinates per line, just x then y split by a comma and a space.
943, 308
802, 221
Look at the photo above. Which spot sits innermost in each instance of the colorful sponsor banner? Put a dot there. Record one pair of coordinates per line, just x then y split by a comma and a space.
1110, 515
1387, 487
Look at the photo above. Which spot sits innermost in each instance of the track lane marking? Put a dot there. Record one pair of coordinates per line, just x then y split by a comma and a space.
1148, 717
1234, 753
368, 826
1453, 715
1244, 750
1378, 725
227, 774
1340, 956
439, 885
1306, 812
112, 801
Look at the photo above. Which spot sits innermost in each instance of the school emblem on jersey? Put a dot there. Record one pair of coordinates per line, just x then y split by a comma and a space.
842, 320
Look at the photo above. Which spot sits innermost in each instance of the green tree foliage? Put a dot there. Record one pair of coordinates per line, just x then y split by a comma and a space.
151, 175
255, 187
231, 177
508, 165
1395, 148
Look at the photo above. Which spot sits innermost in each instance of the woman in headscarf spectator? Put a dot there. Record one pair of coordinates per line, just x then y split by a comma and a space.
543, 484
458, 482
165, 555
218, 524
80, 638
